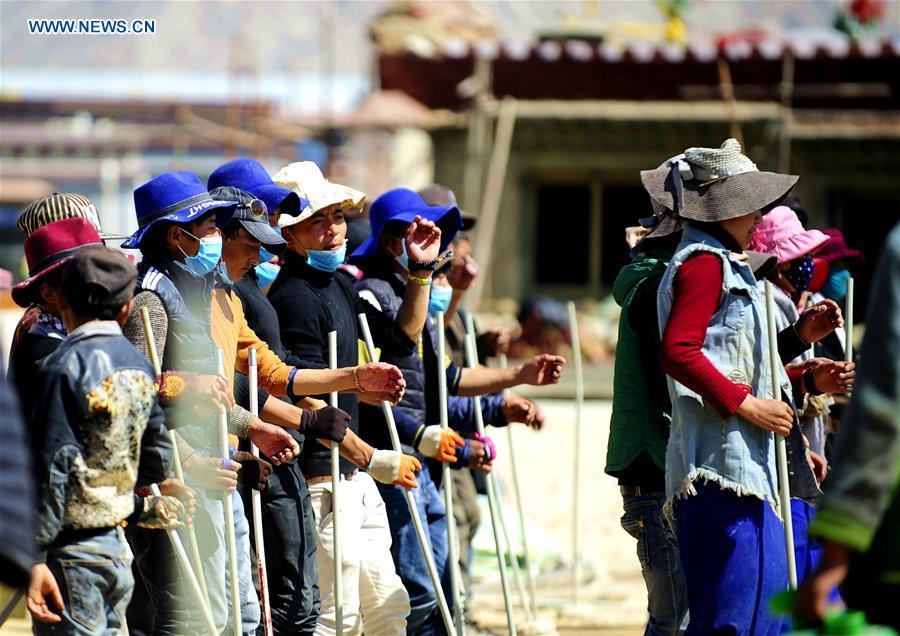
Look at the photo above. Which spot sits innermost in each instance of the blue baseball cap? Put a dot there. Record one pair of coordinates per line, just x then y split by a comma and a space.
403, 205
172, 196
250, 176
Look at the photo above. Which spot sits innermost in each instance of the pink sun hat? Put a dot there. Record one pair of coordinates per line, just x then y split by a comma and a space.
781, 234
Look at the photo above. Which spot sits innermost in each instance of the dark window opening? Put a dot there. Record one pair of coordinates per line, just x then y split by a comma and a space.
563, 234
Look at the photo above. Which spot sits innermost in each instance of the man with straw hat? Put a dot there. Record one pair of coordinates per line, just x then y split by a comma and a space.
312, 299
291, 526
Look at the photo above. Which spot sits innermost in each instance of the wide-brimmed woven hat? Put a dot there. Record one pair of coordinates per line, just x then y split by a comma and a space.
781, 234
714, 184
48, 248
306, 179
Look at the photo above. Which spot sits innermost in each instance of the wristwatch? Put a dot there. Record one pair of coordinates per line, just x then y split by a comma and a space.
430, 266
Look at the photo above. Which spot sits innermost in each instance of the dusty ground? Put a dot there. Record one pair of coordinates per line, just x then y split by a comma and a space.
613, 597
612, 592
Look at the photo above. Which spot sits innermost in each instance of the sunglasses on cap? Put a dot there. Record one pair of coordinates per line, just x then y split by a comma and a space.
255, 210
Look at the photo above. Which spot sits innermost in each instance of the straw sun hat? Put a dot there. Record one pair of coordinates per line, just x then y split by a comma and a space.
714, 184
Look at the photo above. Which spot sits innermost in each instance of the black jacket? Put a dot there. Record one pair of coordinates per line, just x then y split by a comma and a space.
311, 303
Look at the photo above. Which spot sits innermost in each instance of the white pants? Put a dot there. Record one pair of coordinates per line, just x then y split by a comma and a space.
373, 592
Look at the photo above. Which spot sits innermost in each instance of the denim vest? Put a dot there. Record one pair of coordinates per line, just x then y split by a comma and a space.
733, 453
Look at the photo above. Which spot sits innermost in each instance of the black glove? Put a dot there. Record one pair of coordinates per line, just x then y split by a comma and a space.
326, 423
254, 472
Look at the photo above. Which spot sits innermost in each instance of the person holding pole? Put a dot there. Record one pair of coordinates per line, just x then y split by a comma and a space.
451, 281
98, 425
814, 380
246, 230
291, 529
721, 477
392, 274
181, 248
48, 245
859, 517
312, 299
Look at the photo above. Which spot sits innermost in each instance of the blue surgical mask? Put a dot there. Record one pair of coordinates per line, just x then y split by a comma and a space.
266, 273
207, 256
265, 255
440, 298
835, 287
326, 260
222, 271
403, 258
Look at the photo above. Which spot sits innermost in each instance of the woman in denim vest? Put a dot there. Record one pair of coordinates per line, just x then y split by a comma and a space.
721, 483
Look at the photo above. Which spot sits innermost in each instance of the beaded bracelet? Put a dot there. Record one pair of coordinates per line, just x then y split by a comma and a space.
424, 282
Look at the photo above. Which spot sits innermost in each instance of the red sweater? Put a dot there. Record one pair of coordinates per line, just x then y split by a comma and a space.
697, 289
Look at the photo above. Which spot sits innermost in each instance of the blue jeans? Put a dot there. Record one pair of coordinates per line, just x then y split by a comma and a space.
94, 578
657, 551
425, 616
733, 555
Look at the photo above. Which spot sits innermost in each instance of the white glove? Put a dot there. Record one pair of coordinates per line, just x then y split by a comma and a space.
430, 443
385, 466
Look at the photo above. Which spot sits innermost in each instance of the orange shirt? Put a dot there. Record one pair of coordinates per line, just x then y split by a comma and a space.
235, 338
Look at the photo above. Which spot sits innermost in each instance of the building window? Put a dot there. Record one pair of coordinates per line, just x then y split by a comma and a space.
563, 234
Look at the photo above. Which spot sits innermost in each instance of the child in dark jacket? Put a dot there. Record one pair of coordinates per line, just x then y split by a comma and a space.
97, 427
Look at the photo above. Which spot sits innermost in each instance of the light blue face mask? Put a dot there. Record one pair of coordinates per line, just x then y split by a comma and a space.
403, 258
266, 273
222, 271
207, 256
326, 260
265, 255
440, 298
835, 287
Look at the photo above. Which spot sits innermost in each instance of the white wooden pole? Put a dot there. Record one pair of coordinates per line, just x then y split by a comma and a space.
335, 503
447, 480
513, 561
576, 481
517, 494
410, 499
780, 444
194, 574
228, 508
848, 322
185, 564
256, 502
493, 504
